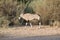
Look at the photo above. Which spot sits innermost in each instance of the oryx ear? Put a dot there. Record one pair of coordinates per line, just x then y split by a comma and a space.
21, 15
19, 18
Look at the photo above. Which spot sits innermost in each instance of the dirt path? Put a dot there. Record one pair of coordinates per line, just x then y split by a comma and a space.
28, 31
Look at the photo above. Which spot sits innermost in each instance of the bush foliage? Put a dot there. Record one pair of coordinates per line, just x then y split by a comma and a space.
11, 9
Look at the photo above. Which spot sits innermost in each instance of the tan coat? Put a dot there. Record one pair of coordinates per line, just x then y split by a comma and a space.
29, 16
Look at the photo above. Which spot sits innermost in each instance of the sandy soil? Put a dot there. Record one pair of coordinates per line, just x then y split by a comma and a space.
28, 31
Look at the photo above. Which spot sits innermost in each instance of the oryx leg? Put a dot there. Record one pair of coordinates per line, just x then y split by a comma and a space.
39, 24
26, 24
31, 24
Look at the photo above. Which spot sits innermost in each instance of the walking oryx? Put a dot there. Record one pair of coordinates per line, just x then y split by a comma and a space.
28, 17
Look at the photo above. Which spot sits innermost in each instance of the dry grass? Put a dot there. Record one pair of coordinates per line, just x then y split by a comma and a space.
28, 31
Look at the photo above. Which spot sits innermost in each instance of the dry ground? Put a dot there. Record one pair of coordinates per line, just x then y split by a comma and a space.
28, 31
